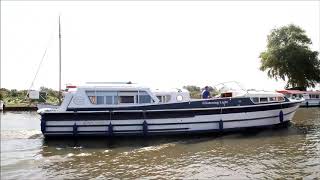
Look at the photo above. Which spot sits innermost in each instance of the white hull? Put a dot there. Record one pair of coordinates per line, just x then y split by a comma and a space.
1, 105
310, 103
203, 123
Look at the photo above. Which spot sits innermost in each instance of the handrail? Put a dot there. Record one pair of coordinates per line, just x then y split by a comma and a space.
129, 82
236, 82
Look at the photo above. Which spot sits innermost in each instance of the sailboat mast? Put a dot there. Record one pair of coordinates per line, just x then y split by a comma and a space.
59, 62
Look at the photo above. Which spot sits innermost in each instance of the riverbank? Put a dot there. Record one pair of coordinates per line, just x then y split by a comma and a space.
20, 108
17, 100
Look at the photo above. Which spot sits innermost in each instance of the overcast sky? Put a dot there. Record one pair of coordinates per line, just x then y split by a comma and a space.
160, 44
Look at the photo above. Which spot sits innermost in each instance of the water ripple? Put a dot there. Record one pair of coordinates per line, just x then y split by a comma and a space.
290, 153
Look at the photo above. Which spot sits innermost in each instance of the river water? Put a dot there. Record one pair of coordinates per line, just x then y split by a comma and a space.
292, 152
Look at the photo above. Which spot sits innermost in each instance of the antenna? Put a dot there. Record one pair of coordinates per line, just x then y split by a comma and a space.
59, 61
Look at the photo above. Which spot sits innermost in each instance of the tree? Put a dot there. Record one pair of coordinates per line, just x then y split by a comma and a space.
289, 57
14, 93
191, 88
195, 91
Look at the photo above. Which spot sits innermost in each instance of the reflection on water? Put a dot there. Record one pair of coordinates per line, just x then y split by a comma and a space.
291, 152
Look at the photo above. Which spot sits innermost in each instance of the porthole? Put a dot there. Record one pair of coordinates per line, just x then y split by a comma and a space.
179, 98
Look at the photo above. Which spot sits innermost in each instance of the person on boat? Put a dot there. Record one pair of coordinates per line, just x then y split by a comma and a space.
206, 93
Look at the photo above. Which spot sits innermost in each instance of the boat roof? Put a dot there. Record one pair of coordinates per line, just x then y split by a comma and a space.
297, 92
261, 93
312, 92
169, 90
111, 86
290, 91
126, 86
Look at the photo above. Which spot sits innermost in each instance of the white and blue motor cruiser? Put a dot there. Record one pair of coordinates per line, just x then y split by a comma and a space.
132, 110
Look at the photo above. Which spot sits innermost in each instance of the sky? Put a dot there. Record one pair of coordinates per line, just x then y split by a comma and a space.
160, 44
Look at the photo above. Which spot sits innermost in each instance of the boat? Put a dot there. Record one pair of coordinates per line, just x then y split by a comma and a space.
133, 110
1, 105
46, 105
310, 98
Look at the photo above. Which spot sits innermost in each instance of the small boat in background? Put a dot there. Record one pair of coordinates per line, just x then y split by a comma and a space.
310, 98
46, 105
1, 105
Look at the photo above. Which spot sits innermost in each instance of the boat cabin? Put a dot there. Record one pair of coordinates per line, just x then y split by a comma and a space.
115, 95
313, 94
293, 94
171, 95
257, 97
233, 90
296, 94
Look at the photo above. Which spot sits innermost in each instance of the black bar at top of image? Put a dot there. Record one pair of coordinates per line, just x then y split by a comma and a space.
165, 0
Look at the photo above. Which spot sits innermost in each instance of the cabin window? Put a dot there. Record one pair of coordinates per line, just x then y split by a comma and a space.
116, 97
126, 99
167, 98
255, 100
160, 98
100, 99
264, 99
93, 99
280, 98
115, 100
226, 95
164, 99
109, 100
272, 99
144, 99
314, 96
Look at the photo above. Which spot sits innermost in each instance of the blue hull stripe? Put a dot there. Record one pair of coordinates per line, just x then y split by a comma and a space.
154, 124
141, 131
158, 114
155, 133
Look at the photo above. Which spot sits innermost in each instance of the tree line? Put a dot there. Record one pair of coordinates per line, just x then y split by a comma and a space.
20, 97
48, 95
288, 56
195, 91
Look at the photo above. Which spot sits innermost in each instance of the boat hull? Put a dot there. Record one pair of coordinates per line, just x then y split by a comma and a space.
1, 105
165, 122
311, 103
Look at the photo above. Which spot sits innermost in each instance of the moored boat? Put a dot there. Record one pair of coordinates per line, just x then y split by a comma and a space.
310, 98
1, 105
45, 105
132, 110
